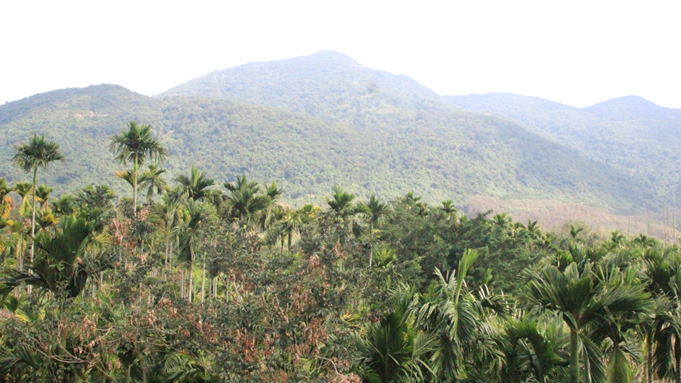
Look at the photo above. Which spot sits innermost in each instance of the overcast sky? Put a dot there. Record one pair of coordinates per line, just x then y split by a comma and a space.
574, 52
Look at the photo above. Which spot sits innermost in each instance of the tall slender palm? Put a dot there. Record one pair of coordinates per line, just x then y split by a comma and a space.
343, 212
190, 237
374, 211
137, 145
582, 300
43, 195
663, 335
37, 153
453, 316
153, 180
23, 189
245, 199
59, 265
197, 186
393, 349
273, 193
6, 202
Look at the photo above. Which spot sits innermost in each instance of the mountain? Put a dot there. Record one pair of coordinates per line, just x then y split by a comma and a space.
631, 134
439, 153
328, 85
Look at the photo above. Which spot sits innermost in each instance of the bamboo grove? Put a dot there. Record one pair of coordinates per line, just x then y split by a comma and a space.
190, 280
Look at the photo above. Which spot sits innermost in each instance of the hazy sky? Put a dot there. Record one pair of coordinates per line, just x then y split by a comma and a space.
574, 52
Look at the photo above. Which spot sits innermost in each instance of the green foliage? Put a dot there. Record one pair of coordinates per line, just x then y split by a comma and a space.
630, 134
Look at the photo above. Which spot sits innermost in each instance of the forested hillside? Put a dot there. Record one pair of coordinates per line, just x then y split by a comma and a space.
224, 282
630, 133
328, 85
440, 154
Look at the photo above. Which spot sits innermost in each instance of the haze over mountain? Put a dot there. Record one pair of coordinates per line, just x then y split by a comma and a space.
632, 134
313, 122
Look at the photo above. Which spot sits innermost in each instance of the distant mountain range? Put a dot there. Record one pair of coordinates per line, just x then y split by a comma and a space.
317, 121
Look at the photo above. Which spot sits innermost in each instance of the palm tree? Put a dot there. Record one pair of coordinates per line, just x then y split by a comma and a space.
532, 349
37, 153
582, 300
60, 265
448, 207
43, 195
136, 145
6, 201
453, 316
273, 193
196, 186
574, 231
393, 349
23, 189
190, 237
245, 199
374, 211
153, 179
663, 336
342, 211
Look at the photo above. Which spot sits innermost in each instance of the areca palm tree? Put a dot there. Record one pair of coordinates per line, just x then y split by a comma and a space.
136, 145
273, 209
197, 185
454, 317
663, 332
37, 153
190, 236
393, 349
245, 199
343, 211
154, 181
43, 195
374, 210
582, 300
59, 266
6, 202
532, 349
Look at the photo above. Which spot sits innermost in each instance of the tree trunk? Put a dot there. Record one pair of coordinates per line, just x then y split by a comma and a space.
134, 187
165, 266
574, 356
35, 180
181, 283
371, 237
191, 281
649, 357
203, 280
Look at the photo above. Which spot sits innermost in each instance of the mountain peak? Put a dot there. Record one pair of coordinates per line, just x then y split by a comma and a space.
327, 84
627, 107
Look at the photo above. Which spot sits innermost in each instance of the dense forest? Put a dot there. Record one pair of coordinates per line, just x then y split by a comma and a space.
195, 279
629, 133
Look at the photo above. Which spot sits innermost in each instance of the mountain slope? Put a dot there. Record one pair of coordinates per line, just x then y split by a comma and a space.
439, 154
328, 85
630, 133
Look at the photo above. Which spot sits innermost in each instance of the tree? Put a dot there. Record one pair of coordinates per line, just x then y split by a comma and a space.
154, 181
37, 153
196, 186
582, 300
374, 211
43, 195
136, 145
245, 200
393, 349
60, 266
6, 202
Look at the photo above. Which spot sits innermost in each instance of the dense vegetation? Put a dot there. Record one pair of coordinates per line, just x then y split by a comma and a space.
631, 134
370, 131
203, 280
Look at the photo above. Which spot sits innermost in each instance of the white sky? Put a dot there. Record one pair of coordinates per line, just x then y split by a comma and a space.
574, 52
